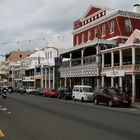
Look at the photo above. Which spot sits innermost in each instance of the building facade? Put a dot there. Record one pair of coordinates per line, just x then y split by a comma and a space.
102, 53
12, 58
105, 23
38, 70
121, 66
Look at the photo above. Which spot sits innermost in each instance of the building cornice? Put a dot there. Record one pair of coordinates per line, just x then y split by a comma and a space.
107, 17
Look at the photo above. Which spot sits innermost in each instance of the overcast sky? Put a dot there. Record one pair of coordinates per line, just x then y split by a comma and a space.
22, 20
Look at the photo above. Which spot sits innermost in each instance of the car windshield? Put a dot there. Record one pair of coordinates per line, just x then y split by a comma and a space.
67, 89
116, 91
87, 89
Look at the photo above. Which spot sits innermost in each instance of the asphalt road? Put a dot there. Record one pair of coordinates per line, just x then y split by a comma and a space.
28, 117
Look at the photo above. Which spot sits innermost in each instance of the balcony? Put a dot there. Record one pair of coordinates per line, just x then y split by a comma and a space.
128, 67
75, 68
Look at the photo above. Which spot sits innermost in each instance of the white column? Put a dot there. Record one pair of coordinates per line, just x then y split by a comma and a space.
112, 81
70, 59
13, 77
45, 77
133, 88
49, 77
120, 82
53, 77
42, 78
70, 82
103, 61
120, 53
103, 78
97, 54
82, 54
65, 81
98, 82
133, 55
112, 59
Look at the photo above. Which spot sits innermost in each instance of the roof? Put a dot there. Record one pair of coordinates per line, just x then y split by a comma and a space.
95, 42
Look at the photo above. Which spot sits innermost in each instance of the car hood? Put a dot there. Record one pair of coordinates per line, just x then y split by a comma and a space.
121, 97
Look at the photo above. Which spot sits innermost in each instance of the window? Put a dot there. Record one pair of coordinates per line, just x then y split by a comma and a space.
112, 26
46, 56
82, 37
20, 56
77, 39
128, 25
103, 30
89, 35
50, 54
95, 32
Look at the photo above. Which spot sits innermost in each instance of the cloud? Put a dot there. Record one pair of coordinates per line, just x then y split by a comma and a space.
31, 19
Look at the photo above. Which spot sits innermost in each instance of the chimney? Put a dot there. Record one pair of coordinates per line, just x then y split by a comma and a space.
136, 8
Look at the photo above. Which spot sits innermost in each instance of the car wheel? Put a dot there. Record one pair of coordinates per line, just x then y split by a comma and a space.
73, 98
64, 97
110, 103
58, 96
82, 99
128, 105
96, 101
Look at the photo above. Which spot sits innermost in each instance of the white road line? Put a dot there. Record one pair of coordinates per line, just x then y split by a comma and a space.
3, 109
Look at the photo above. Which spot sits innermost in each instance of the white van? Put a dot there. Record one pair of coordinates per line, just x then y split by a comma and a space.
82, 92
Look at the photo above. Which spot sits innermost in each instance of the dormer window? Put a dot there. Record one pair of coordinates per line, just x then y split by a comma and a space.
103, 30
137, 41
128, 26
89, 35
112, 26
95, 32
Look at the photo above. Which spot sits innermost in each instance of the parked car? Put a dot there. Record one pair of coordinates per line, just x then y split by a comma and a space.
31, 90
45, 92
20, 90
112, 97
40, 92
82, 92
64, 92
52, 93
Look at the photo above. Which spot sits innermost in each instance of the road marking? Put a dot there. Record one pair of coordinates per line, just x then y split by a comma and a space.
3, 109
1, 133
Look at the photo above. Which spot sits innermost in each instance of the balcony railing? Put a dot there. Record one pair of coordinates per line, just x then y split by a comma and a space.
127, 67
77, 62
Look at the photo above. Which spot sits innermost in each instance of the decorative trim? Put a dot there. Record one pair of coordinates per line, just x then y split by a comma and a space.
107, 17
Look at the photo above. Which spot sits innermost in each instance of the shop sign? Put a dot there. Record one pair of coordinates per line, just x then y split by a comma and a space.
115, 73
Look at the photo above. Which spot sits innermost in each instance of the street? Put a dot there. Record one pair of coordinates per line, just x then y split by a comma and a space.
29, 117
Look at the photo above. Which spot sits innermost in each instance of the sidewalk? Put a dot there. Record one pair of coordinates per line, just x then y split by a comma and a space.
136, 105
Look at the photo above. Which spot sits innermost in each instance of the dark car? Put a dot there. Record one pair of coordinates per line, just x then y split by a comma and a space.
20, 90
112, 97
40, 92
64, 92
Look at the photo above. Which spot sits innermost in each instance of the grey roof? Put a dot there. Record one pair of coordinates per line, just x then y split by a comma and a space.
89, 44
